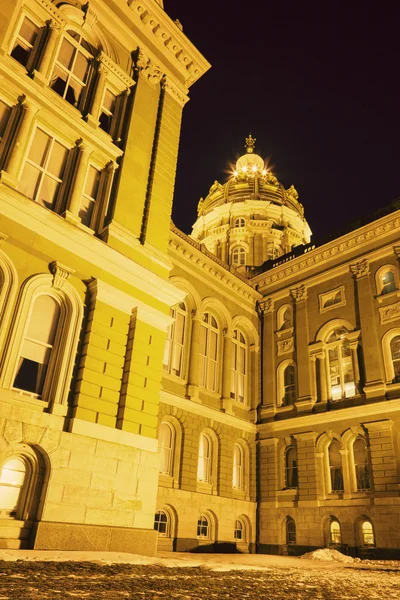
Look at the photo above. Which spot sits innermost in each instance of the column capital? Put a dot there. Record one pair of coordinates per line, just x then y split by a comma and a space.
299, 293
227, 333
266, 306
396, 250
360, 269
196, 315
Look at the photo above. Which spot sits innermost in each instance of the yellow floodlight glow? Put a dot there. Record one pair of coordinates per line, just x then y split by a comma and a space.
254, 168
264, 171
244, 169
235, 173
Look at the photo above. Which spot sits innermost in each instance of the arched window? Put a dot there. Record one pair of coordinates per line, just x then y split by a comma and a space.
291, 473
361, 464
174, 346
367, 534
239, 367
37, 346
204, 459
395, 354
239, 533
237, 474
208, 352
284, 317
290, 531
289, 386
341, 369
335, 535
166, 448
73, 69
388, 282
335, 467
239, 222
239, 256
161, 523
12, 478
203, 527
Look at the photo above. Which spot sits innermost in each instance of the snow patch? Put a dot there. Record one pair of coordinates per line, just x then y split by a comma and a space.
328, 554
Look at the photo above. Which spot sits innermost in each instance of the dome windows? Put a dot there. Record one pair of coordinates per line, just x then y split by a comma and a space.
239, 256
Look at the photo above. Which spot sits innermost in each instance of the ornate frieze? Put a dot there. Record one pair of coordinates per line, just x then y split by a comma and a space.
285, 346
389, 313
360, 269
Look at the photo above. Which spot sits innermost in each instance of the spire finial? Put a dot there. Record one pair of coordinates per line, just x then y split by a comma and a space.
250, 143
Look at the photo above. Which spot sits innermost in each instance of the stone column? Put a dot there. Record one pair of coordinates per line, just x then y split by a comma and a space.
224, 251
226, 404
43, 73
71, 214
313, 363
253, 380
268, 461
267, 314
346, 475
14, 161
356, 368
193, 374
307, 468
323, 377
374, 379
304, 400
93, 116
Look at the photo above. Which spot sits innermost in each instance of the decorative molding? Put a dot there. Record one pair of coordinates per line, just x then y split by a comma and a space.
60, 274
332, 299
318, 255
196, 315
105, 62
360, 269
396, 250
146, 67
299, 293
266, 306
285, 346
3, 238
389, 313
174, 91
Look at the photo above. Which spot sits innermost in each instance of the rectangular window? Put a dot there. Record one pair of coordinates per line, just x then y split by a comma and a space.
44, 169
90, 196
25, 41
107, 111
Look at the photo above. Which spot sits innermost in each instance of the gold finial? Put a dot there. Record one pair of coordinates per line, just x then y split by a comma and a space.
250, 143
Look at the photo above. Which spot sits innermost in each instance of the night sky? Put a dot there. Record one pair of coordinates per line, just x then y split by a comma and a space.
317, 85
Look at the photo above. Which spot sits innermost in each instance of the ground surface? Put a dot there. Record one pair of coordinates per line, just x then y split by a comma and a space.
191, 577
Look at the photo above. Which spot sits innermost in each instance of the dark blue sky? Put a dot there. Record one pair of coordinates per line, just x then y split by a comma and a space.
316, 84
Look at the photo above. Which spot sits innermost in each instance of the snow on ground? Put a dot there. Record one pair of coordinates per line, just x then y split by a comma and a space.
328, 554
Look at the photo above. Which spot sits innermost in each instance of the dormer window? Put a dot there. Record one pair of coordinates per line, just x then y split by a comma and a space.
239, 222
239, 256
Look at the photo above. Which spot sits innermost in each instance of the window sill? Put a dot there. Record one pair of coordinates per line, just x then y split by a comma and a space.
283, 409
165, 480
204, 487
175, 378
16, 396
281, 332
390, 296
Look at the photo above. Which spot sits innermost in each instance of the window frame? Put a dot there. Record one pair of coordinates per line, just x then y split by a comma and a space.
205, 460
35, 51
326, 297
239, 222
289, 534
209, 362
339, 346
387, 339
380, 286
170, 449
294, 469
366, 465
238, 256
335, 468
237, 345
332, 541
171, 343
280, 321
238, 468
204, 518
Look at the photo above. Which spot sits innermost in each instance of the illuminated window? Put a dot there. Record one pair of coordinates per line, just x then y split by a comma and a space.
239, 256
73, 69
367, 532
161, 523
387, 279
335, 535
90, 196
208, 353
291, 473
284, 317
341, 369
44, 169
361, 464
239, 531
174, 345
395, 354
290, 531
335, 467
37, 346
239, 222
203, 527
166, 448
12, 479
107, 111
25, 41
204, 459
289, 386
239, 367
237, 474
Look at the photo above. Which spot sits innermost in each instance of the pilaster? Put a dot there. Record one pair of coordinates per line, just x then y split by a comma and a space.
383, 458
307, 468
304, 397
267, 314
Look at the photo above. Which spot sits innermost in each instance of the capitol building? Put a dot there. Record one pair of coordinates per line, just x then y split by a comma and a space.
235, 389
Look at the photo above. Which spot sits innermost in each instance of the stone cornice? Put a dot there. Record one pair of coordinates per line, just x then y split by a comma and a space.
349, 243
114, 68
166, 34
215, 268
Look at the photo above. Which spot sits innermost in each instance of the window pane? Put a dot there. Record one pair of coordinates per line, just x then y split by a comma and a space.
203, 340
47, 193
81, 67
44, 320
58, 81
9, 498
213, 345
30, 376
29, 31
57, 160
109, 101
86, 211
30, 179
40, 147
66, 54
13, 472
73, 93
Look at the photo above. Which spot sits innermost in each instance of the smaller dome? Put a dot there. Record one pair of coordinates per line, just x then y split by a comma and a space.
250, 163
